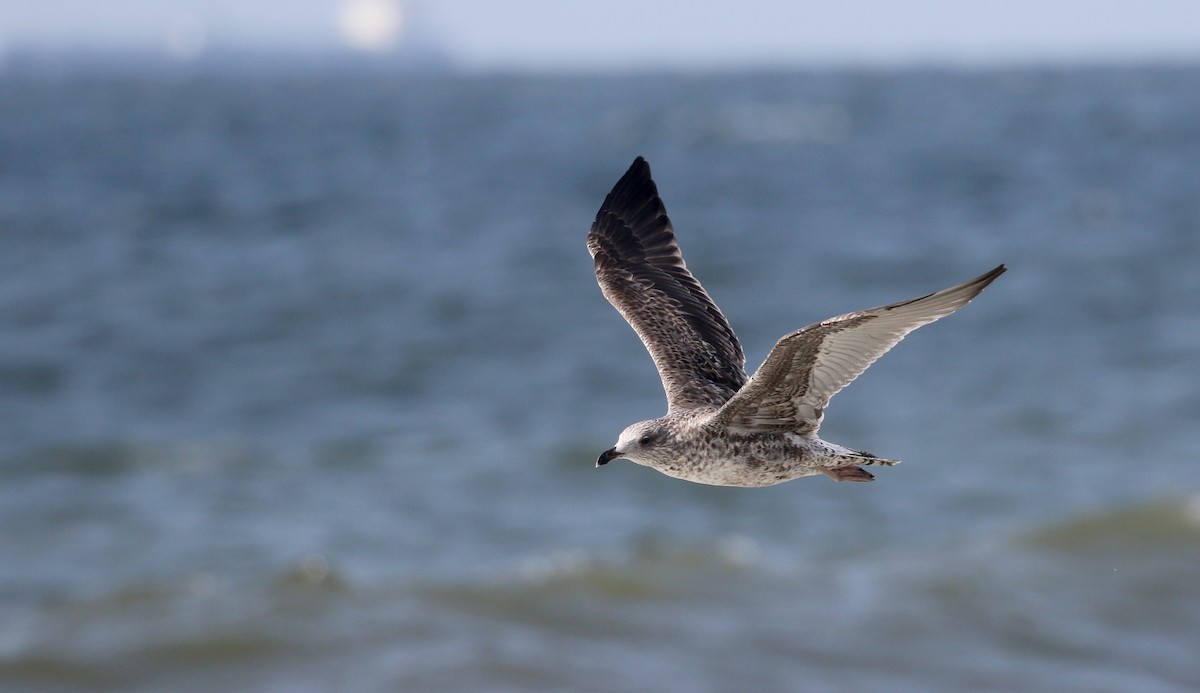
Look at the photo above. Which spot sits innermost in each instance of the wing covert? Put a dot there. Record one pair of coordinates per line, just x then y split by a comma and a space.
809, 366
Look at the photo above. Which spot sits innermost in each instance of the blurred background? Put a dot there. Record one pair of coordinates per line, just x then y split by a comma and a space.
304, 371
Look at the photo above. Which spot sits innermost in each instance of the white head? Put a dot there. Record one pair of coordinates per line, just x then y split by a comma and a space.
641, 442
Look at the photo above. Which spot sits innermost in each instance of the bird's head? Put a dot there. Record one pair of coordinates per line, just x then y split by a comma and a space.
638, 443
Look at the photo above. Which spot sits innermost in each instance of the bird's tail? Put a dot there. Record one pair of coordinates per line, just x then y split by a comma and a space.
844, 465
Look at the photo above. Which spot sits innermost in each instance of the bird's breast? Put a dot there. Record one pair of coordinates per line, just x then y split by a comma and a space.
741, 460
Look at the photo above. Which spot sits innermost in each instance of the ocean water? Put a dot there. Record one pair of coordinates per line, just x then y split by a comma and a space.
303, 374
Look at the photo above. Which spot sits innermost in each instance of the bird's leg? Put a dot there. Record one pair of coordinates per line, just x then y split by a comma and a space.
851, 473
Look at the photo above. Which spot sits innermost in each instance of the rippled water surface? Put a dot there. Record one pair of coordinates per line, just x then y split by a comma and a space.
303, 375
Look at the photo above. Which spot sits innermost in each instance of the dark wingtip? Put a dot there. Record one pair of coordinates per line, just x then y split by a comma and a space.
989, 277
634, 200
639, 170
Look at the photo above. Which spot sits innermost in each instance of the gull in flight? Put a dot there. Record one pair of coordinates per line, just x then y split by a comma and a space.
721, 427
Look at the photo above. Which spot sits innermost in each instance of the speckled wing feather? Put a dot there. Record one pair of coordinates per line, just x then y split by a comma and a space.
642, 273
791, 389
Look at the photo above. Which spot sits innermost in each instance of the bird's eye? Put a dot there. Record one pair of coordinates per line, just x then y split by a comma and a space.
644, 441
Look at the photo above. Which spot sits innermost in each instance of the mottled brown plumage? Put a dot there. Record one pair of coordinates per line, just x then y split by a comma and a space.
722, 428
642, 273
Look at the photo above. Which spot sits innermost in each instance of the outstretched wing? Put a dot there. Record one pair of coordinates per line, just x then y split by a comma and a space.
642, 273
806, 368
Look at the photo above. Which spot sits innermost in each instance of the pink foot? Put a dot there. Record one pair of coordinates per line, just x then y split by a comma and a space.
851, 473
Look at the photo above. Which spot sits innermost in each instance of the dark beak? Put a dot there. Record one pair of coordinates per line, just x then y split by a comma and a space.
607, 456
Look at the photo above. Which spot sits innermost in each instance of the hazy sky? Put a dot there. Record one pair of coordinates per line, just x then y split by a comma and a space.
622, 33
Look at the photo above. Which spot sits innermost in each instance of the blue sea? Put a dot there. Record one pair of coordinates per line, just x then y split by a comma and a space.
304, 372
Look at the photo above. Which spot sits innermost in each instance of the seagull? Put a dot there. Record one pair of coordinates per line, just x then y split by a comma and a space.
722, 427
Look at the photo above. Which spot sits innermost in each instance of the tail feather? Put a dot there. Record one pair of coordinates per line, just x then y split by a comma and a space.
861, 457
868, 458
847, 468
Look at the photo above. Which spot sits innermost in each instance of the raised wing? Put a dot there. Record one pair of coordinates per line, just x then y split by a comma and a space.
806, 368
642, 273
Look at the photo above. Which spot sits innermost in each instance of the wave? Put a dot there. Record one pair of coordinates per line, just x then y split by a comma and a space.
133, 633
1147, 525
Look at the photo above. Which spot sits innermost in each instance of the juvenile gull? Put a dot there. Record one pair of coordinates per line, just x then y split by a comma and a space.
721, 427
